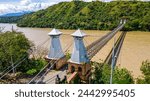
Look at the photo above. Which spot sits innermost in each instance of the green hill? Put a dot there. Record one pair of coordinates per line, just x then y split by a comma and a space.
9, 19
91, 15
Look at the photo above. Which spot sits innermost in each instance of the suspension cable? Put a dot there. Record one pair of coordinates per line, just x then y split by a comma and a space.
39, 46
89, 44
46, 66
14, 67
53, 63
40, 71
11, 65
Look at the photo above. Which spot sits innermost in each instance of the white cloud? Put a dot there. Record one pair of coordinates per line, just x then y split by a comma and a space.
25, 2
23, 5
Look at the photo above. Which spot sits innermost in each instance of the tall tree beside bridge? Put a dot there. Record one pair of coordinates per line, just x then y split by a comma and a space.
145, 68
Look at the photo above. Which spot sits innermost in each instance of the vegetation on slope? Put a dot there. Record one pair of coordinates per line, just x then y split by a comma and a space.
10, 19
14, 47
101, 75
145, 68
13, 17
91, 15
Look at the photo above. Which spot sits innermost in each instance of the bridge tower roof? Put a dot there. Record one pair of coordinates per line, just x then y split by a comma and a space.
78, 33
55, 32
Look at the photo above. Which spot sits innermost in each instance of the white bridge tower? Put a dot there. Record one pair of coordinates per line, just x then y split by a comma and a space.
56, 54
79, 61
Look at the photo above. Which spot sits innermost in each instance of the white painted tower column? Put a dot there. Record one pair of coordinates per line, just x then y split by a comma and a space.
56, 51
56, 55
79, 54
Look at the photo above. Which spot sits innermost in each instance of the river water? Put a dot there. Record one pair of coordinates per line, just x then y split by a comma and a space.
135, 49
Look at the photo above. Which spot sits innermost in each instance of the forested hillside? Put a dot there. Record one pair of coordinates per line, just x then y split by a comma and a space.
91, 15
9, 19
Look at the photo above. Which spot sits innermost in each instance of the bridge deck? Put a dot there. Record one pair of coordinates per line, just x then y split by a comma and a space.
50, 78
93, 48
117, 49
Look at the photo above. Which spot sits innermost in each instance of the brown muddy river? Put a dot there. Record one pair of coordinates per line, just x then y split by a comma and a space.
135, 49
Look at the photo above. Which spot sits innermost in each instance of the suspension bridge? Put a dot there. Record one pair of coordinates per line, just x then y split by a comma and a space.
58, 68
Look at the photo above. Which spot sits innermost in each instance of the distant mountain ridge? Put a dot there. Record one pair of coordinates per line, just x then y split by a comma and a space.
16, 14
13, 17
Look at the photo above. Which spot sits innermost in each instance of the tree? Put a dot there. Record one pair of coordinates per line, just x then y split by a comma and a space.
145, 68
10, 19
14, 46
101, 75
122, 76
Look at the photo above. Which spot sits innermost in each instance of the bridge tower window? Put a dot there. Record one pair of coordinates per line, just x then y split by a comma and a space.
72, 69
79, 69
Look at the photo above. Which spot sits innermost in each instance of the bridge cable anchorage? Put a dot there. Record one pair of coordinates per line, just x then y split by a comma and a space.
16, 63
93, 48
46, 66
54, 63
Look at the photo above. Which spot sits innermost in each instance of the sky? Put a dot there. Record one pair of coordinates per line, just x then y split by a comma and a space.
14, 6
